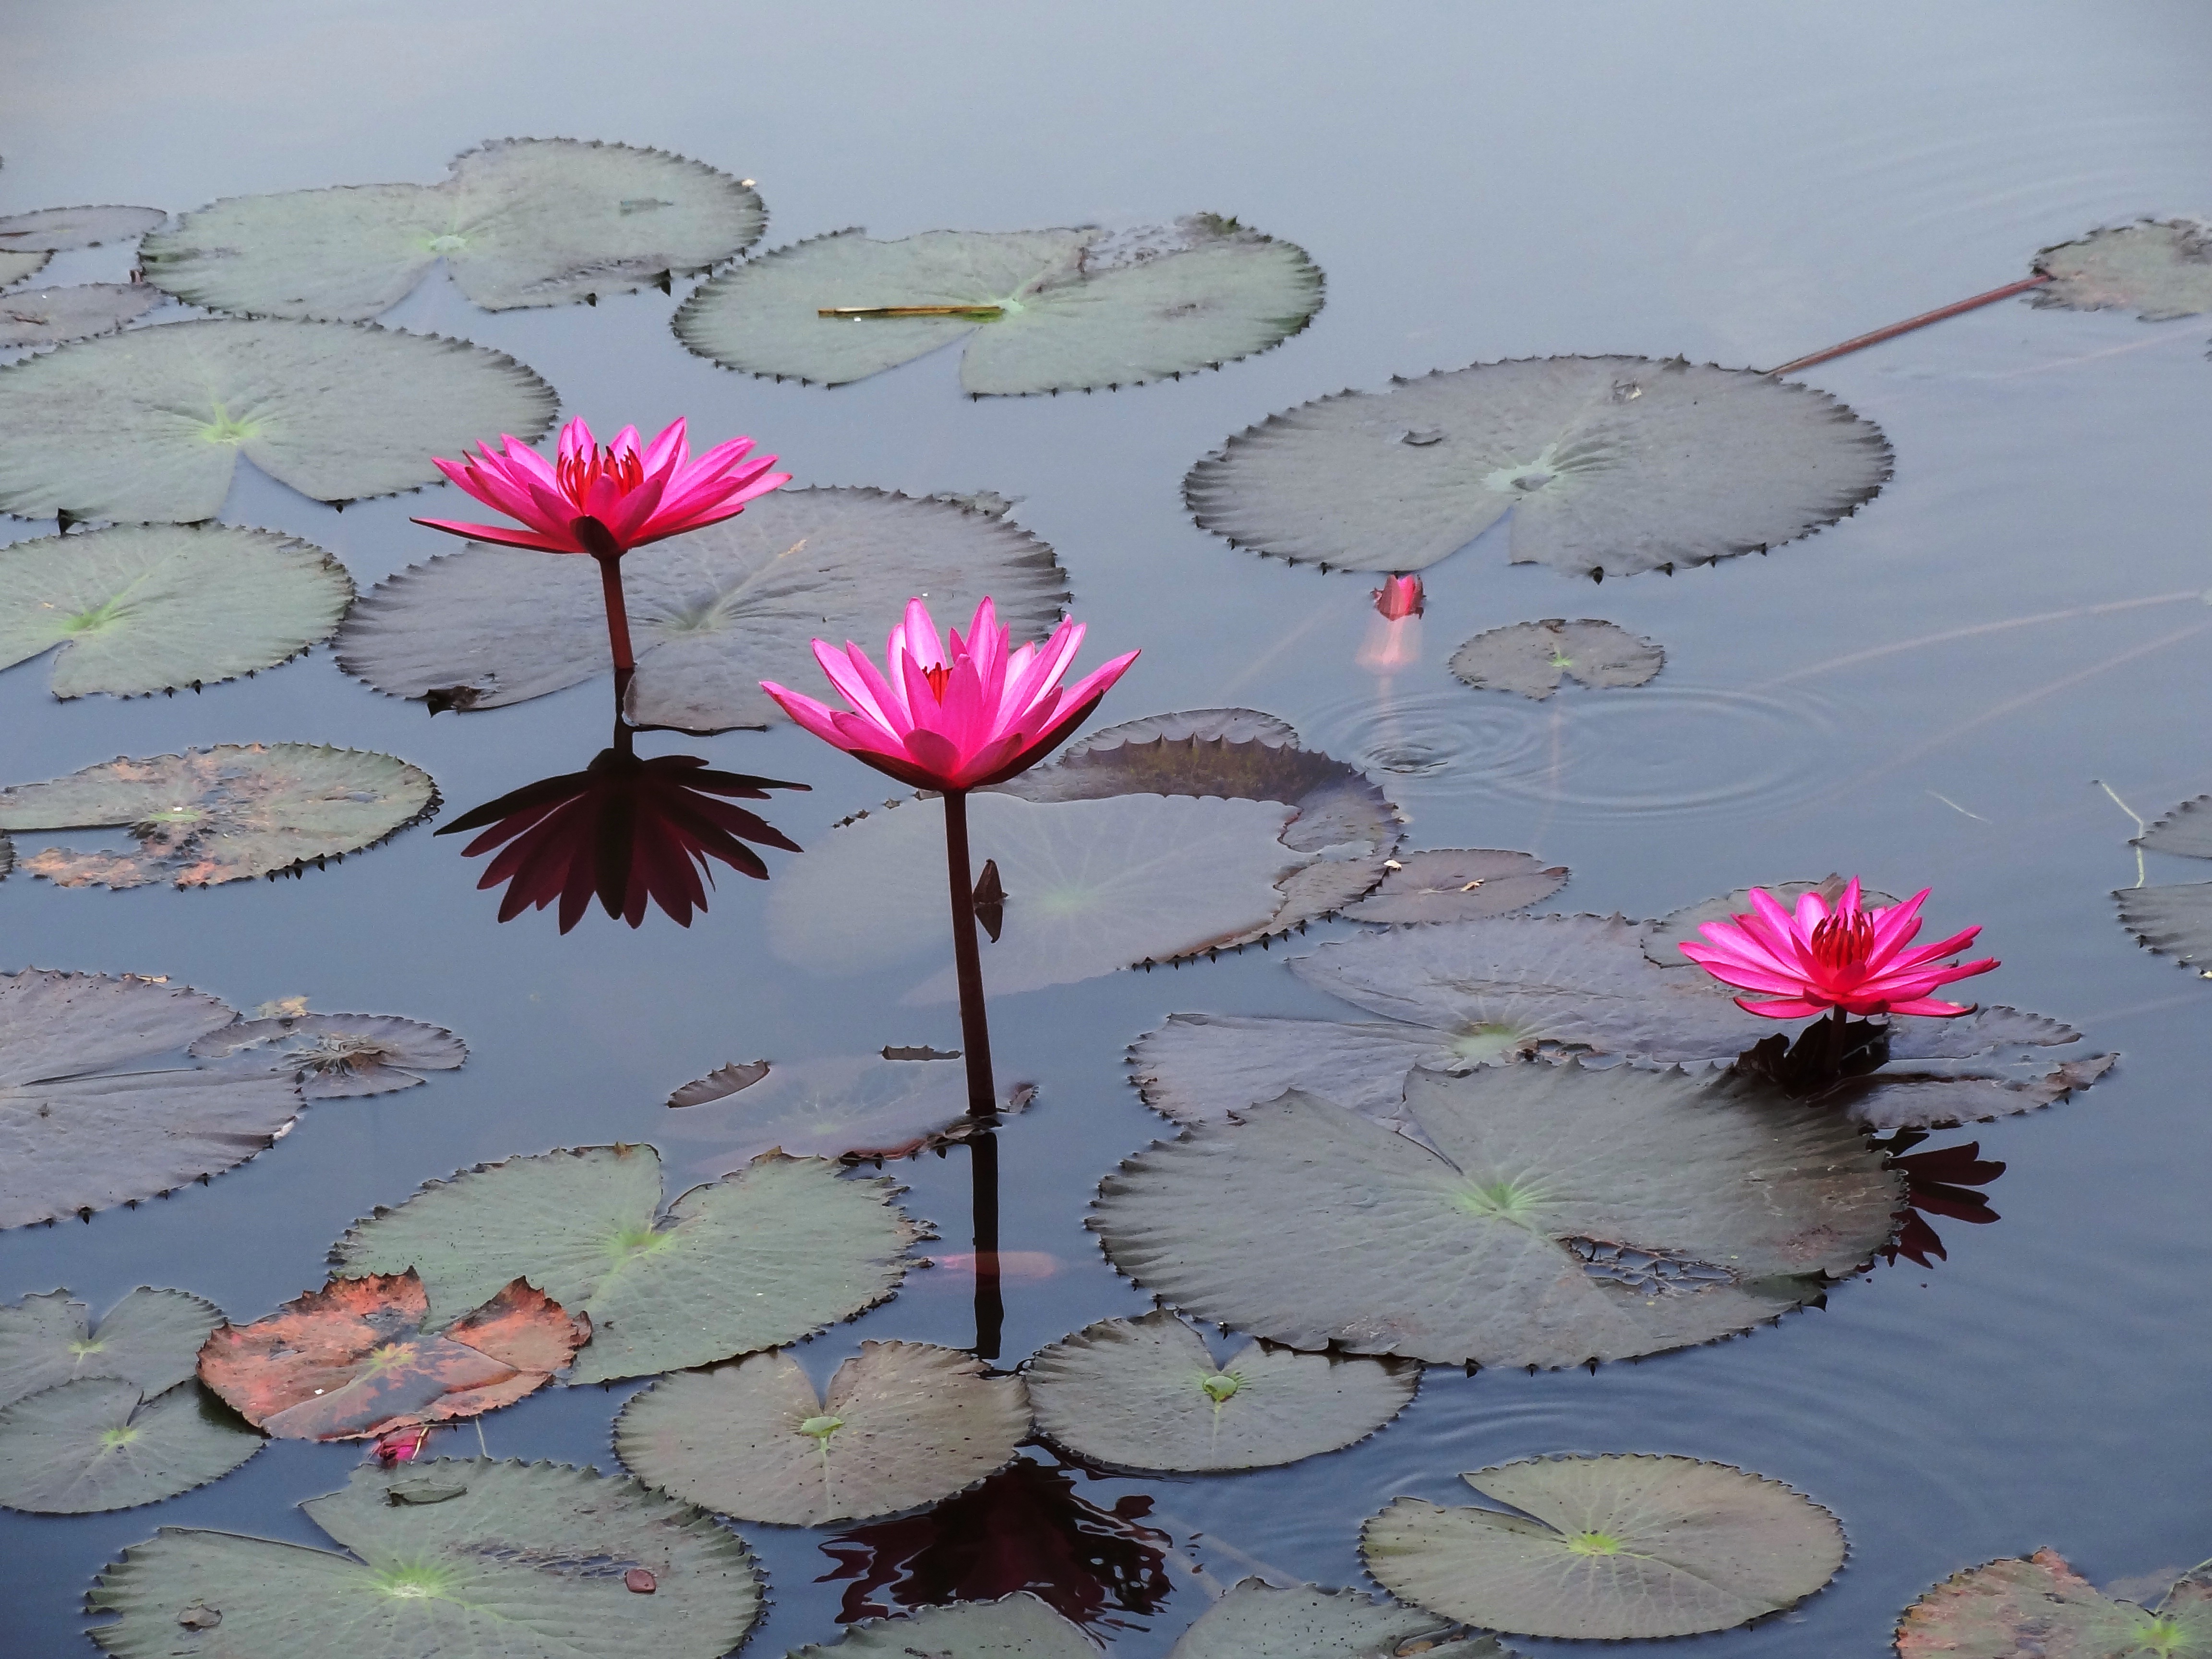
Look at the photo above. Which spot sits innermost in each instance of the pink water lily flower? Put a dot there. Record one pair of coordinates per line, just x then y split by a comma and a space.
952, 716
1851, 959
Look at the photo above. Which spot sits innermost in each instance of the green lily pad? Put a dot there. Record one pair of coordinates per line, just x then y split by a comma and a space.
144, 608
1532, 658
228, 813
903, 1424
15, 267
150, 425
151, 1339
1458, 885
94, 1444
1039, 310
2040, 1604
1613, 1548
96, 1108
1259, 1620
712, 612
2157, 268
48, 316
1020, 1626
338, 1056
1315, 1226
524, 1561
1144, 1394
57, 230
1609, 465
774, 1253
522, 222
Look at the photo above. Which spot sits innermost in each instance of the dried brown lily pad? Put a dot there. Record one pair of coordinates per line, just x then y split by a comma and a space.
337, 1056
1455, 885
1532, 658
2039, 1605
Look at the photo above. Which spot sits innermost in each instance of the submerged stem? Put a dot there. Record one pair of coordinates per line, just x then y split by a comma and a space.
990, 1304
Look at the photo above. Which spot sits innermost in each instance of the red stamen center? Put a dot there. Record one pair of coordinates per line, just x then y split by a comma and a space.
1844, 941
578, 473
937, 676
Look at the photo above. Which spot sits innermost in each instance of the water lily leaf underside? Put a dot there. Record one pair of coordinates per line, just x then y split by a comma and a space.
338, 1056
2158, 269
49, 316
1259, 1620
1532, 658
1019, 1626
95, 1445
2040, 1604
150, 1338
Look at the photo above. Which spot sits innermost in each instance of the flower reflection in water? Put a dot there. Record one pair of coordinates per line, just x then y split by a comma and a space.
1937, 1182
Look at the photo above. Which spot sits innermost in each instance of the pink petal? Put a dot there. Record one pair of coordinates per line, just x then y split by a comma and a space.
669, 445
922, 642
854, 687
1786, 1008
1932, 1008
505, 537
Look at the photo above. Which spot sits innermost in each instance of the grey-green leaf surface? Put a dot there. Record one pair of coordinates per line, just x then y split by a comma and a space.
49, 316
1144, 1394
712, 612
142, 608
2158, 269
96, 1106
1456, 884
521, 221
1313, 1225
1609, 465
2186, 831
1201, 1068
150, 425
1054, 310
228, 813
903, 1423
507, 1560
150, 1338
781, 1249
15, 267
93, 1445
1612, 1548
338, 1056
1019, 1626
1663, 937
2005, 1609
1532, 658
2173, 920
836, 1106
56, 230
1258, 1621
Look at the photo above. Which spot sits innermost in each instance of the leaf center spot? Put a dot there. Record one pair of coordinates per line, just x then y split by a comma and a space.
1509, 1200
86, 1345
448, 243
391, 1354
225, 430
1220, 1386
1487, 1043
122, 1437
415, 1582
639, 1240
1593, 1543
822, 1427
1523, 478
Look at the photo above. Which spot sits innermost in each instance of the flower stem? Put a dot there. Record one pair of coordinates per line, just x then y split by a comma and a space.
990, 1304
617, 613
968, 959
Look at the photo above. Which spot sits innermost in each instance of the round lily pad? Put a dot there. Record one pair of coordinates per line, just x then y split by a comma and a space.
56, 230
1018, 1627
338, 1056
1315, 1226
1609, 465
1038, 310
1144, 1394
1259, 1620
228, 813
781, 1249
2175, 920
523, 221
48, 316
526, 1561
1614, 1548
151, 1339
1532, 658
144, 608
903, 1423
2040, 1604
2157, 268
96, 1443
712, 612
150, 425
1458, 885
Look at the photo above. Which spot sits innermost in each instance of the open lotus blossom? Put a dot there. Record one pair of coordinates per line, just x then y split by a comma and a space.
1849, 959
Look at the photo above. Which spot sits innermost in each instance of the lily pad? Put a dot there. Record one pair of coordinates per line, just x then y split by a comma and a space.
712, 612
781, 1249
56, 230
151, 1339
1614, 1548
1038, 310
2040, 1604
94, 1109
228, 813
48, 316
150, 425
1018, 1627
2176, 920
144, 608
1457, 885
1315, 1226
352, 1360
1259, 1620
2157, 268
521, 221
526, 1561
1532, 658
94, 1444
15, 267
1144, 1394
903, 1423
1609, 465
338, 1056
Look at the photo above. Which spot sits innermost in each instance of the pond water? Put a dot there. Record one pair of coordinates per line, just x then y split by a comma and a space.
1927, 693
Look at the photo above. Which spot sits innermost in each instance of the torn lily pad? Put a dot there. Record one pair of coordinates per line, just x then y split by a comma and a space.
1038, 311
781, 1249
2159, 269
1259, 1620
228, 813
338, 1056
713, 612
150, 1338
1609, 465
2040, 1604
1612, 1548
1018, 1627
142, 608
1458, 885
49, 316
1532, 658
150, 425
525, 1561
903, 1423
1315, 1226
97, 1444
2175, 921
1144, 1394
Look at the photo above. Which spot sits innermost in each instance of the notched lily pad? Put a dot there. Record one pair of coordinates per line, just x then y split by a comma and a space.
142, 608
903, 1423
1259, 1620
2040, 1604
1020, 1626
1039, 311
96, 1443
1144, 1394
49, 316
57, 230
2176, 920
150, 1338
1612, 1548
1532, 658
2157, 268
228, 813
338, 1056
1609, 465
1458, 885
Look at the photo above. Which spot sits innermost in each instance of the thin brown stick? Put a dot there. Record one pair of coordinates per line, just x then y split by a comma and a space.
1861, 342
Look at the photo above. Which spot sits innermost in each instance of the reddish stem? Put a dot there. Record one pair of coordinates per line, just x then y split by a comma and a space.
617, 613
968, 958
1863, 341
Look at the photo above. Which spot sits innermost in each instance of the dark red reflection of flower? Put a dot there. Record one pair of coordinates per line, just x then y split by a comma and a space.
624, 830
1937, 1182
1025, 1529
